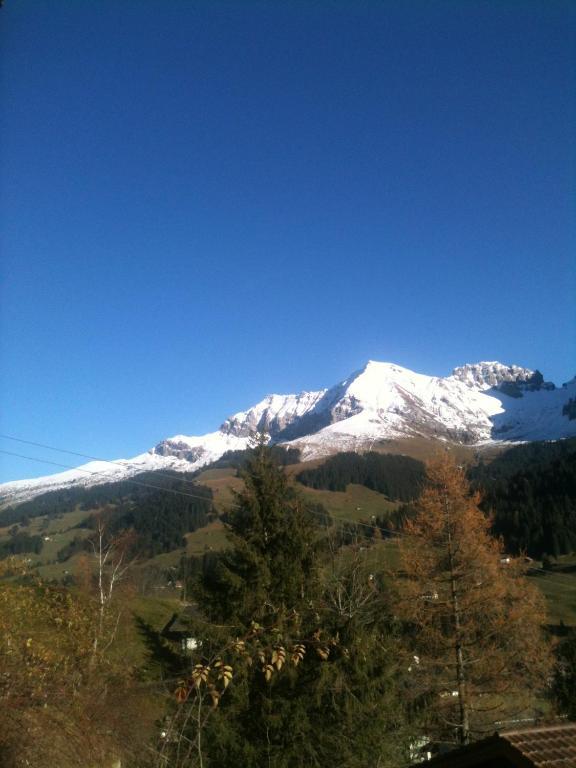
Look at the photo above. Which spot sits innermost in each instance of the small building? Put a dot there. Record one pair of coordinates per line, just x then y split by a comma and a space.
549, 746
179, 629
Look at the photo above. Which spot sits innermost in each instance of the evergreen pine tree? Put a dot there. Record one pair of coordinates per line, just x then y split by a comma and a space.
270, 564
276, 587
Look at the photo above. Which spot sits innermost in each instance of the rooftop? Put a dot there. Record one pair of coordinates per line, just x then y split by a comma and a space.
550, 746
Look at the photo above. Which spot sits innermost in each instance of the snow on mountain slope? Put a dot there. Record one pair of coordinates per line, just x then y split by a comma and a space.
478, 404
179, 453
392, 402
92, 473
197, 451
272, 415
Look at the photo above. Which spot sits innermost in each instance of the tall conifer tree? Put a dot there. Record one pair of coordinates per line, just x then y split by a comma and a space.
339, 702
269, 566
474, 624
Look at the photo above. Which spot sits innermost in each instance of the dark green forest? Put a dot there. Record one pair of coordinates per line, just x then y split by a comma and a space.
531, 492
159, 508
399, 478
161, 519
283, 457
20, 543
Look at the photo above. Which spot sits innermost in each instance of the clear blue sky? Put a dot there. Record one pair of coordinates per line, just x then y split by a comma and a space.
204, 202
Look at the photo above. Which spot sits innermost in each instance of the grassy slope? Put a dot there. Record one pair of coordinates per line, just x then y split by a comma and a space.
59, 531
424, 448
560, 593
559, 587
356, 503
150, 615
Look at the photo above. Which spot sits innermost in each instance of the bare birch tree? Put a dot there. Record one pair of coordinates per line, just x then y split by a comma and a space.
112, 560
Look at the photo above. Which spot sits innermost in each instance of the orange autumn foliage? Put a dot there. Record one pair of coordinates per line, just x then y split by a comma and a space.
474, 624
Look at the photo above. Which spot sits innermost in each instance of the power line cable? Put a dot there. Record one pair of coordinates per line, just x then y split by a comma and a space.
158, 473
136, 482
337, 520
116, 463
549, 578
103, 474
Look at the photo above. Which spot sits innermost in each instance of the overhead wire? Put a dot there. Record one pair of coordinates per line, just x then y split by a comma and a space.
339, 519
183, 493
103, 474
129, 464
117, 463
135, 482
149, 485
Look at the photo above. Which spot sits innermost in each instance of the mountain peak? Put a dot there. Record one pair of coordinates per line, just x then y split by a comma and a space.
383, 364
480, 403
491, 373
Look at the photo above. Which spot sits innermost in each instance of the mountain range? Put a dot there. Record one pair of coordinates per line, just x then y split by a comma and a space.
480, 405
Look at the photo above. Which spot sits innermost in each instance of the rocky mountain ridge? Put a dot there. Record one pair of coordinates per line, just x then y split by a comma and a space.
478, 404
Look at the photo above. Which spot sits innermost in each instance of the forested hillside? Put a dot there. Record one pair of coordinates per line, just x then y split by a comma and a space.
398, 477
61, 501
161, 519
238, 459
160, 509
531, 492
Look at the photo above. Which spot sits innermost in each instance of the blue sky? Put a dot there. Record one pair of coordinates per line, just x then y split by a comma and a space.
204, 202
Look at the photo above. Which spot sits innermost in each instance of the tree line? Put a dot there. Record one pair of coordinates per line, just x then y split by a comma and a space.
159, 515
400, 478
159, 519
307, 651
529, 492
20, 543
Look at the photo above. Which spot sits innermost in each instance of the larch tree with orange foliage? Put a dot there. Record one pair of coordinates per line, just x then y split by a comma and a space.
474, 624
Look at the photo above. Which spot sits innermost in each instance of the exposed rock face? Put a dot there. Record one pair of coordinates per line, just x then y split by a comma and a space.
478, 404
491, 374
512, 380
178, 449
272, 415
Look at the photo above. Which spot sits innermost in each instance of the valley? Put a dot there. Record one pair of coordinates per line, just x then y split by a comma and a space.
355, 504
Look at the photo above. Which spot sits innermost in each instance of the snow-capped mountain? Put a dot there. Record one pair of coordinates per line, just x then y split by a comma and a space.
478, 404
